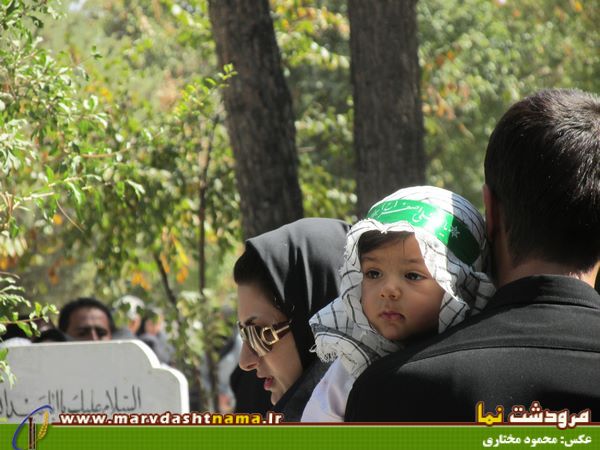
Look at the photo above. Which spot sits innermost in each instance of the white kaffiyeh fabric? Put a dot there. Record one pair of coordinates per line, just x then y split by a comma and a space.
440, 221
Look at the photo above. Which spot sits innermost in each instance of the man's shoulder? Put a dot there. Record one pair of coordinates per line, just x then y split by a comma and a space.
565, 324
507, 334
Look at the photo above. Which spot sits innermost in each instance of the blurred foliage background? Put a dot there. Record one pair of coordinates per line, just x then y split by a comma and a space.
117, 176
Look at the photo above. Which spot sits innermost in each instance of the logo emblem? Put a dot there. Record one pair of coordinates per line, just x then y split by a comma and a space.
33, 436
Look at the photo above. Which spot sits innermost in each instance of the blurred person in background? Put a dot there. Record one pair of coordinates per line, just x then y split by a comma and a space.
86, 319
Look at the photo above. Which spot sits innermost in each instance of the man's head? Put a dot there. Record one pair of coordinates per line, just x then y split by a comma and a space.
86, 319
542, 175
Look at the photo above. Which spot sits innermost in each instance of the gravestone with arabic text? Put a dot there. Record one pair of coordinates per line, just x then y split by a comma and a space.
91, 377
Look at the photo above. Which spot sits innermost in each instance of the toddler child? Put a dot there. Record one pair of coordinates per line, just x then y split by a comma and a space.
412, 267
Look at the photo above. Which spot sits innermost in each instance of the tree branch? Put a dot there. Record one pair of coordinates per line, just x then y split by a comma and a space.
165, 281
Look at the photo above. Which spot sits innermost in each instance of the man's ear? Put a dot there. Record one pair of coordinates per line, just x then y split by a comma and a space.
491, 212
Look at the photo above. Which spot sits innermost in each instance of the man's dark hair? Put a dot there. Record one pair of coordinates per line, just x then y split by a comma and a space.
83, 302
543, 166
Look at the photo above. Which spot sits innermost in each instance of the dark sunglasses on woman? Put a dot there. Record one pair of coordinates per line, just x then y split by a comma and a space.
261, 339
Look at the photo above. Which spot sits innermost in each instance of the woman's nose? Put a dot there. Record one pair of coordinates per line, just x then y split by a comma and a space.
248, 359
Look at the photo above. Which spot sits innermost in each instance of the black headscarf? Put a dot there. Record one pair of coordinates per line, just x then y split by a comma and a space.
303, 259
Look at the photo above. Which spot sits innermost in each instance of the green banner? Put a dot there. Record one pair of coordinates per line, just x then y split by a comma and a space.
303, 437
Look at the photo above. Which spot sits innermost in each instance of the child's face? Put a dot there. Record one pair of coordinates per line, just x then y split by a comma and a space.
399, 297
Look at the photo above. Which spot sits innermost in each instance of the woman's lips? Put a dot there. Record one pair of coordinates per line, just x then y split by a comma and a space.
268, 383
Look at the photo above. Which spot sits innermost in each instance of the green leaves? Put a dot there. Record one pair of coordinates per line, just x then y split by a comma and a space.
76, 192
55, 143
10, 301
477, 58
137, 188
5, 373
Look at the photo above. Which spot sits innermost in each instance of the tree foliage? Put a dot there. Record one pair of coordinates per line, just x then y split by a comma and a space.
480, 56
476, 58
157, 77
314, 44
52, 151
118, 176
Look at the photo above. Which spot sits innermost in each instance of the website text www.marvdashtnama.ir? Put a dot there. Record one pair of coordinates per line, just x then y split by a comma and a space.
169, 418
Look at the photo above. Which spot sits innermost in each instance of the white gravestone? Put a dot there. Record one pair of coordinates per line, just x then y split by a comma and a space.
91, 377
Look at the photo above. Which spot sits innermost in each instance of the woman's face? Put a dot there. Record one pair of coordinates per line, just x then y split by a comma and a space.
281, 367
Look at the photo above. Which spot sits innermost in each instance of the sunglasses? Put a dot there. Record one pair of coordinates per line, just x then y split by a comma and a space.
261, 339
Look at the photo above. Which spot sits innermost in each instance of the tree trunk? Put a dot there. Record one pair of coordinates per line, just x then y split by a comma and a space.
260, 120
388, 119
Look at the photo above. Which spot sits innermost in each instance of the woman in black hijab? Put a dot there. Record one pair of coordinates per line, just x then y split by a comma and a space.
284, 277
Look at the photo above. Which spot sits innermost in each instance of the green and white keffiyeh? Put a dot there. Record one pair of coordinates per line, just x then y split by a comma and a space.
451, 236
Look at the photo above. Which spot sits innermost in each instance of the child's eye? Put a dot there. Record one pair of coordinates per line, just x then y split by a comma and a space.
413, 276
372, 274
